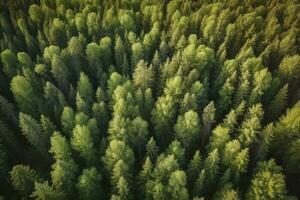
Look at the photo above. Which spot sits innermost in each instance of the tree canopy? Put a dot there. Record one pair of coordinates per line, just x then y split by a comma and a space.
149, 99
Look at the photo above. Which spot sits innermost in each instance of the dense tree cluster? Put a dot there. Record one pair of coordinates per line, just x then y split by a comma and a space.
150, 99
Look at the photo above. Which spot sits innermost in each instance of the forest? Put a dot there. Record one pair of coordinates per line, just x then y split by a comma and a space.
149, 99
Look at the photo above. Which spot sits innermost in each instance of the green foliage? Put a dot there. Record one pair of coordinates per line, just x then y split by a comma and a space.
251, 126
9, 63
33, 132
42, 191
289, 68
187, 129
23, 178
60, 72
82, 142
67, 120
116, 99
117, 150
278, 104
25, 96
59, 147
89, 184
194, 167
268, 182
177, 186
143, 76
163, 117
85, 89
208, 118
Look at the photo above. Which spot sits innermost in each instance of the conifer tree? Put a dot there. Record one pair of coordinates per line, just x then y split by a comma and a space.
23, 178
143, 75
120, 56
270, 175
152, 149
116, 99
82, 141
163, 117
85, 89
42, 191
177, 186
33, 132
9, 63
24, 94
67, 120
187, 129
88, 184
145, 176
252, 125
278, 104
117, 150
208, 118
194, 167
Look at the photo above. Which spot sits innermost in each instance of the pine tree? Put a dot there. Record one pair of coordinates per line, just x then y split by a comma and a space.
26, 98
194, 168
9, 63
278, 104
265, 140
138, 132
67, 120
57, 33
162, 117
82, 141
55, 100
289, 68
199, 186
251, 126
187, 129
145, 176
82, 105
42, 191
64, 170
177, 186
137, 54
268, 182
36, 14
211, 166
117, 150
88, 184
121, 56
63, 175
292, 157
189, 102
225, 97
230, 152
176, 149
24, 59
33, 132
240, 163
60, 147
106, 48
261, 83
143, 75
23, 178
152, 149
93, 53
85, 89
47, 125
227, 193
208, 118
60, 72
220, 136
